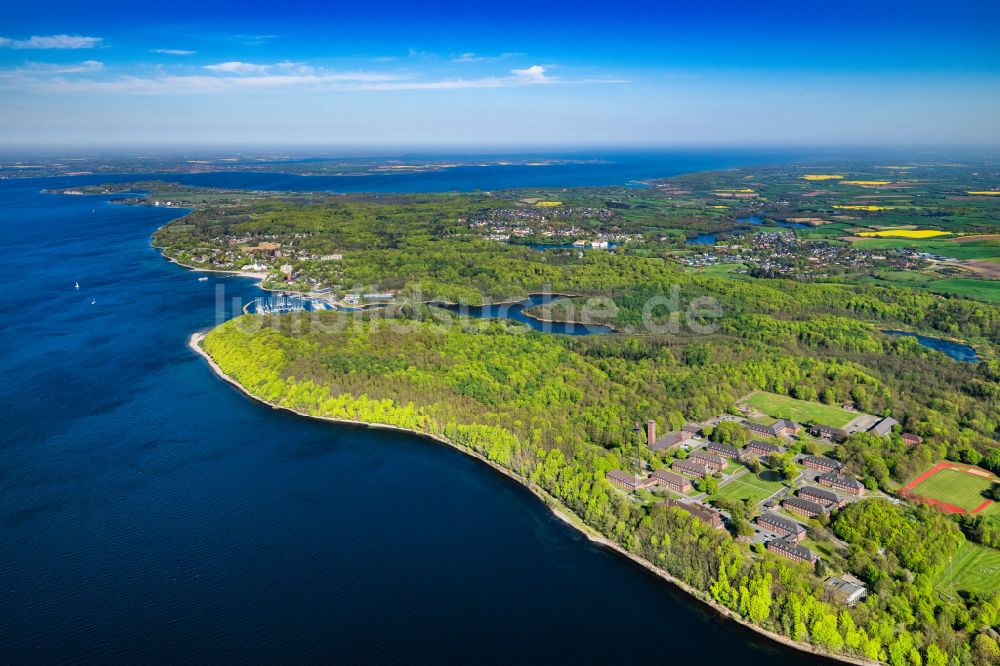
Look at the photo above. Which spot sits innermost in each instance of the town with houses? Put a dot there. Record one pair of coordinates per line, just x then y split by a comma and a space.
673, 469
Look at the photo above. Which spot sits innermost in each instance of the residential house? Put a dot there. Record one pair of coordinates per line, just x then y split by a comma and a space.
841, 482
792, 550
783, 527
828, 432
912, 439
713, 462
710, 517
723, 450
803, 507
755, 447
780, 428
674, 482
691, 468
821, 463
622, 479
826, 498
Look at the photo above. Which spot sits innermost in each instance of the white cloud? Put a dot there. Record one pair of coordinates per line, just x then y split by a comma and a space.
479, 57
52, 42
238, 68
176, 52
233, 76
85, 67
533, 74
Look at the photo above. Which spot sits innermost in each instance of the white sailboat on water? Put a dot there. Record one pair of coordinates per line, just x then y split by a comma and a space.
76, 285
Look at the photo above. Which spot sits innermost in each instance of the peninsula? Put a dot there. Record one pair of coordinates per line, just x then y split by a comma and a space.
751, 435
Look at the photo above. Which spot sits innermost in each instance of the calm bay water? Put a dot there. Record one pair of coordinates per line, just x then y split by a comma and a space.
151, 513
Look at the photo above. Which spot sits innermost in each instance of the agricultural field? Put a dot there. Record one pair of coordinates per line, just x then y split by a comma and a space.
748, 487
952, 486
981, 290
802, 411
974, 568
904, 233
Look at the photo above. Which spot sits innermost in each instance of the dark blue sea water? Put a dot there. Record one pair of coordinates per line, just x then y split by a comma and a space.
955, 350
151, 513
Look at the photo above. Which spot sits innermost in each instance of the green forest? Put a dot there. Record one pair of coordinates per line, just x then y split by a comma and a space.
558, 411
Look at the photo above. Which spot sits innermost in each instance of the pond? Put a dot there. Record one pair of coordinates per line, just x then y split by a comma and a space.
956, 350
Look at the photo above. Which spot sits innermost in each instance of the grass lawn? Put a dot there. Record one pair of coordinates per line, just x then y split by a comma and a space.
975, 568
717, 269
824, 548
783, 407
749, 487
733, 466
963, 490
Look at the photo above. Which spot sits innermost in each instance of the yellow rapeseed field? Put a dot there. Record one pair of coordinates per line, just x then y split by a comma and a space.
903, 233
988, 193
868, 208
548, 204
822, 176
865, 182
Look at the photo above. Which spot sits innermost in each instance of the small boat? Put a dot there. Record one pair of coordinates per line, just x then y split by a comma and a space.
203, 279
76, 285
93, 301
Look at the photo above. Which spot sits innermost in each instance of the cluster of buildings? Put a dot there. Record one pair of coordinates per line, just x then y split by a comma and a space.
782, 253
827, 487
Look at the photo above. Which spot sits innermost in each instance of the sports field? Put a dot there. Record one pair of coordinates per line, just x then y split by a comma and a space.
783, 407
974, 568
953, 488
749, 487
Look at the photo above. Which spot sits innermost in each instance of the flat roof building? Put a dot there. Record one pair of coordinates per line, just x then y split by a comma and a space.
883, 427
846, 592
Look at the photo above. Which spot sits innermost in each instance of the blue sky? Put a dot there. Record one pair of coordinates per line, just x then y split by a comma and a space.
502, 74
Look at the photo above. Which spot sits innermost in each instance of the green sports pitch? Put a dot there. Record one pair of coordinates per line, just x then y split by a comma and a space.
974, 568
955, 487
803, 411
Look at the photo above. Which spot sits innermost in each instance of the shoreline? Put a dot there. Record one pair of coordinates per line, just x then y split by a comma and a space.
261, 277
557, 508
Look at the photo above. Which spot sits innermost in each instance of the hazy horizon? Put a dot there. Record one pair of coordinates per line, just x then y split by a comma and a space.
555, 75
